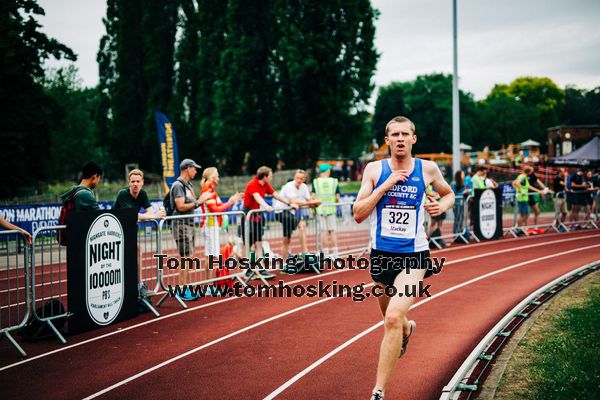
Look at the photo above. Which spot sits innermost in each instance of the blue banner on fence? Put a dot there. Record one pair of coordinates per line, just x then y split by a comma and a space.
31, 218
168, 149
508, 193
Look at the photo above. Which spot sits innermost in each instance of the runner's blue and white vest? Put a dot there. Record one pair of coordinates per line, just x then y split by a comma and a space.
397, 220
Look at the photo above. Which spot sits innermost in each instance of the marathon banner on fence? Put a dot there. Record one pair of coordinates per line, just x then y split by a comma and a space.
33, 217
508, 192
102, 268
487, 207
168, 149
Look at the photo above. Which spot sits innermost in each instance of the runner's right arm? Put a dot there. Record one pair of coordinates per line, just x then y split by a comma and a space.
368, 198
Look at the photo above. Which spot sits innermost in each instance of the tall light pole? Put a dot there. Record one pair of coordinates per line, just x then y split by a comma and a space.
455, 106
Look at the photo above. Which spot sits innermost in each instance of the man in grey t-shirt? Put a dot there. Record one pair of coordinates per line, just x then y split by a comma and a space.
184, 202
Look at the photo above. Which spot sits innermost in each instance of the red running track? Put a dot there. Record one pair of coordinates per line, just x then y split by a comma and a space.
227, 359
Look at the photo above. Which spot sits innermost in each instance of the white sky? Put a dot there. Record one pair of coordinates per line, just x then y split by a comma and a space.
499, 40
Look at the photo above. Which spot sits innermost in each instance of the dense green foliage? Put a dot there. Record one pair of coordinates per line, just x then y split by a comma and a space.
27, 112
245, 84
511, 113
237, 79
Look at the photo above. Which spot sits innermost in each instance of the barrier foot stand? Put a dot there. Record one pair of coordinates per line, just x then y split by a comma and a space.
436, 243
475, 237
181, 302
162, 299
56, 332
262, 278
148, 305
14, 343
241, 280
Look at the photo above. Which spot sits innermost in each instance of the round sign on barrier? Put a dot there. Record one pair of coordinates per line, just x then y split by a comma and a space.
105, 273
487, 214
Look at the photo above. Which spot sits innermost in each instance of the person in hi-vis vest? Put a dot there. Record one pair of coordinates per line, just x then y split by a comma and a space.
327, 189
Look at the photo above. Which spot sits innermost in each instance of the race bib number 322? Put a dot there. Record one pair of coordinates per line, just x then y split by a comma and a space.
399, 222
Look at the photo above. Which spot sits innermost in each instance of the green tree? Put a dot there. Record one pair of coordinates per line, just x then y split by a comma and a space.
27, 112
427, 101
74, 137
136, 77
541, 94
198, 56
580, 107
325, 60
389, 104
504, 119
244, 96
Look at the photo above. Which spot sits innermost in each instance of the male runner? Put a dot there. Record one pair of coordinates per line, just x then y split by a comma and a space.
393, 194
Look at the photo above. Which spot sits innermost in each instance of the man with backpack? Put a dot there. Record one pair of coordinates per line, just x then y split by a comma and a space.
82, 195
183, 201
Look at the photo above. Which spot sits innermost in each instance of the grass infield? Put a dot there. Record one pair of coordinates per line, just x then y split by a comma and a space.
559, 358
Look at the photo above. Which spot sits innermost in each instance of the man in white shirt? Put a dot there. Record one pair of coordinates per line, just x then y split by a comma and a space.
296, 193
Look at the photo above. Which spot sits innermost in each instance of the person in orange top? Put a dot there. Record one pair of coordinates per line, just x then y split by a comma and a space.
209, 182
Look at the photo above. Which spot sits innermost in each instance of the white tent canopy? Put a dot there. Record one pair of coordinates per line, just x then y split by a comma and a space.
464, 146
530, 143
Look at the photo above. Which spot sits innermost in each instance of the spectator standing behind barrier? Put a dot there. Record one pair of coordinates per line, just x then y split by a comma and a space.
214, 204
523, 187
184, 202
588, 196
560, 204
461, 192
82, 194
489, 182
479, 178
135, 197
327, 190
534, 198
256, 190
10, 227
297, 193
596, 199
575, 193
469, 179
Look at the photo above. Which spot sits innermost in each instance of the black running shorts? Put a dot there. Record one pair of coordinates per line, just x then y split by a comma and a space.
385, 265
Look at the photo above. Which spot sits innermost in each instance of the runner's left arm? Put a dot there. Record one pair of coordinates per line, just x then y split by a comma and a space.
439, 184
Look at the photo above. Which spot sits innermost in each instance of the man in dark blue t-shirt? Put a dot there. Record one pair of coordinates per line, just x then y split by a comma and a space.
136, 197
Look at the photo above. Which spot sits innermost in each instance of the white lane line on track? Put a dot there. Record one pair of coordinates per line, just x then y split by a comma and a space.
151, 321
432, 253
265, 321
341, 347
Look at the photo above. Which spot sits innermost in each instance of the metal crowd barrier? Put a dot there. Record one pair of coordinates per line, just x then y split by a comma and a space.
458, 216
15, 296
49, 278
351, 237
557, 225
148, 245
194, 238
281, 233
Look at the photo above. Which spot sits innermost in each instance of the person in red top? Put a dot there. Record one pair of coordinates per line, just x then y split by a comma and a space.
256, 190
214, 204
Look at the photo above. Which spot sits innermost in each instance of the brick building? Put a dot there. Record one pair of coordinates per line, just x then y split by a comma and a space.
563, 139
